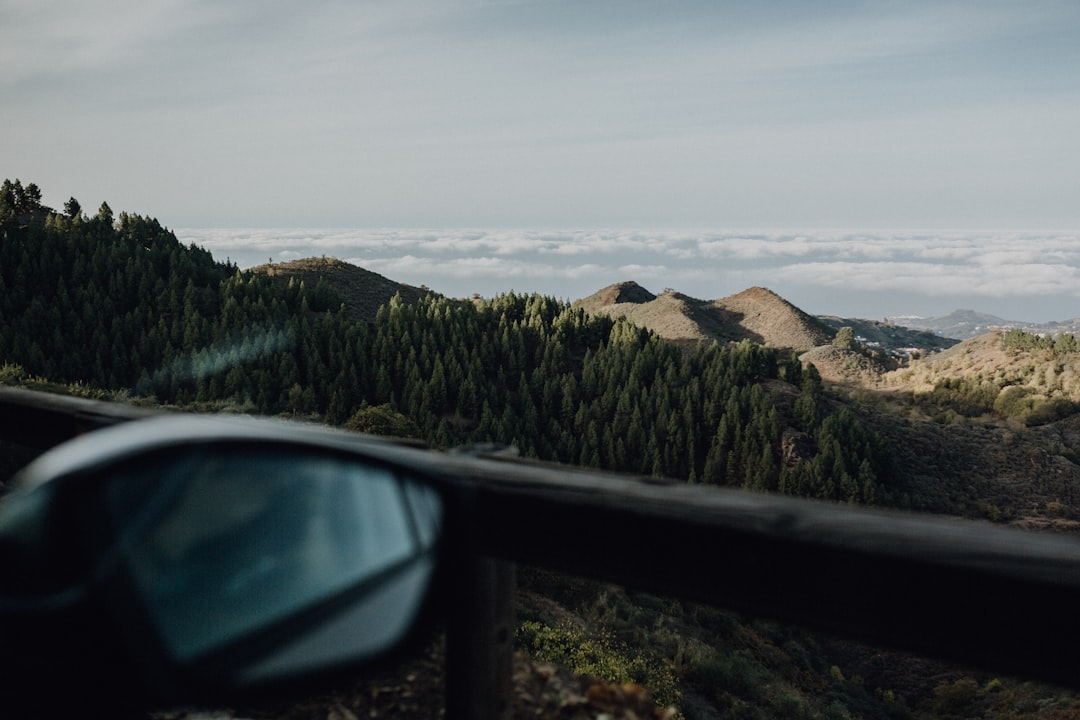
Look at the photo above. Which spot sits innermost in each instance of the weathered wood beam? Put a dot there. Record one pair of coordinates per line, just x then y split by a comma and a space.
979, 593
41, 420
991, 596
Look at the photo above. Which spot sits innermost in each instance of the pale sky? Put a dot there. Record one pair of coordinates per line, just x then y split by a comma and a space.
550, 131
543, 113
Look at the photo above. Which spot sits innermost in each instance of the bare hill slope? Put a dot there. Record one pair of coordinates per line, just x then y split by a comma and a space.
756, 314
777, 322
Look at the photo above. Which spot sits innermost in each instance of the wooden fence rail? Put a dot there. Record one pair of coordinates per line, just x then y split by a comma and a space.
41, 420
978, 593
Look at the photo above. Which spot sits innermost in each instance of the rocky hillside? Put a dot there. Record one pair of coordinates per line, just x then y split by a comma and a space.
362, 290
986, 467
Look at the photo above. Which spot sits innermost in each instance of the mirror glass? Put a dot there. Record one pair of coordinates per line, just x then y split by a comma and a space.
330, 555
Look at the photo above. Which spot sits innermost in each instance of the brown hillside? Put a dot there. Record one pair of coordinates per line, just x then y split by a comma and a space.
670, 315
619, 293
983, 359
778, 322
756, 314
981, 430
362, 290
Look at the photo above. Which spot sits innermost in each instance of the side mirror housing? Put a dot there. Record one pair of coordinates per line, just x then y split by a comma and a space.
217, 557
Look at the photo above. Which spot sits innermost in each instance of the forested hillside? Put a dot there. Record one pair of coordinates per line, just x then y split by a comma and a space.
119, 303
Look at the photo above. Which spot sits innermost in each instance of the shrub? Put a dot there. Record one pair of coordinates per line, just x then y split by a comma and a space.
12, 374
383, 420
1014, 401
956, 697
732, 673
1047, 411
598, 654
845, 338
968, 398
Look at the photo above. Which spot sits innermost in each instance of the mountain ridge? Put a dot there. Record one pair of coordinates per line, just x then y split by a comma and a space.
963, 324
884, 355
756, 314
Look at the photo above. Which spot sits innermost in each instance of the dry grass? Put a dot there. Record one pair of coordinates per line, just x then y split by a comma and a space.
779, 323
756, 314
982, 360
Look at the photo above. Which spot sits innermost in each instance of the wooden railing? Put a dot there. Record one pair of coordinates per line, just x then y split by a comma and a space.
41, 420
973, 592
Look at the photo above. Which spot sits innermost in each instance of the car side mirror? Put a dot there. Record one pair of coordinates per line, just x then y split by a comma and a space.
220, 557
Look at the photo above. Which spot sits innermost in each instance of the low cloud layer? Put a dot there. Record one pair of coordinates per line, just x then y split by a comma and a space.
1017, 275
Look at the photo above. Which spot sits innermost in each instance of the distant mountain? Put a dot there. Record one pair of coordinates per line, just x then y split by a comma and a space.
959, 324
362, 290
965, 324
891, 337
671, 315
757, 314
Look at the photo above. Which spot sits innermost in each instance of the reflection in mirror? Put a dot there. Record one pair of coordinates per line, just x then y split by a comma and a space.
224, 543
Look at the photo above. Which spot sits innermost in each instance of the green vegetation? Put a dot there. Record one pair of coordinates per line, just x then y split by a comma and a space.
725, 665
965, 397
382, 420
599, 654
1017, 339
731, 667
845, 338
1036, 383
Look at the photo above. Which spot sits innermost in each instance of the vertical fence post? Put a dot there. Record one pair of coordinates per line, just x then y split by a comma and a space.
480, 641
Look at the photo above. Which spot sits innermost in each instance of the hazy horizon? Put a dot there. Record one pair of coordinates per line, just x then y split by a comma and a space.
1029, 277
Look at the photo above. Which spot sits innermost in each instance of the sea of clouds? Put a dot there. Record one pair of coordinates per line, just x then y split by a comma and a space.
1018, 276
